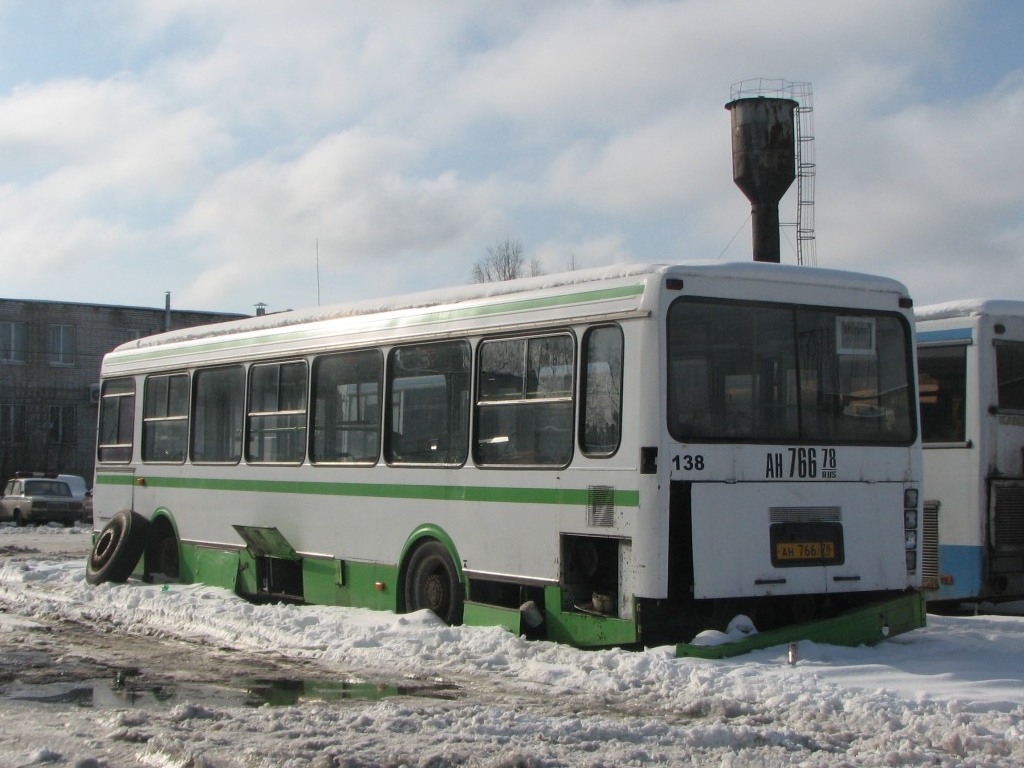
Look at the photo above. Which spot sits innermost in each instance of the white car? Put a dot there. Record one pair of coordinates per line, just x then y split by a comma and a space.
38, 498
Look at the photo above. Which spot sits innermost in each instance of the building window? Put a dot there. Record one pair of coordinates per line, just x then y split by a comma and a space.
62, 345
12, 342
62, 425
12, 423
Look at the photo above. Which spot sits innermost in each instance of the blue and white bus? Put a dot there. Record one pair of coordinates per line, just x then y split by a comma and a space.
971, 364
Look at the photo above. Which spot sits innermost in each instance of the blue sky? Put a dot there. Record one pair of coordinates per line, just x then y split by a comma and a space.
234, 152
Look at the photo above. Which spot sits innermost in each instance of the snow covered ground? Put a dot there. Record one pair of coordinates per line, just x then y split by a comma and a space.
948, 695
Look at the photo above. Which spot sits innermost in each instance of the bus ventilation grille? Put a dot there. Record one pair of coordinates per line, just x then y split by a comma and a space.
1008, 517
930, 545
807, 514
600, 506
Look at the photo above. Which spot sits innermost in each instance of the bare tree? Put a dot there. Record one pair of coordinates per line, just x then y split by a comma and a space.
505, 261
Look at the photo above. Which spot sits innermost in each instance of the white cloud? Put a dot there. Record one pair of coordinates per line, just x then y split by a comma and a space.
930, 190
228, 137
349, 193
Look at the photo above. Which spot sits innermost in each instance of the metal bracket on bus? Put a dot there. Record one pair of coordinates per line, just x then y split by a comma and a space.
266, 542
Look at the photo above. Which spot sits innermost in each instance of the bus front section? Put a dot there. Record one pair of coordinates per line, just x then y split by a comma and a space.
794, 465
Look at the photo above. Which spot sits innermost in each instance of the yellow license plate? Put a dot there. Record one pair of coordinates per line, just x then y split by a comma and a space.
805, 550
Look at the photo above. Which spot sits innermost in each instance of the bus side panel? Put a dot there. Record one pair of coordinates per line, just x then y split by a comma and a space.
113, 490
648, 454
209, 565
951, 477
960, 570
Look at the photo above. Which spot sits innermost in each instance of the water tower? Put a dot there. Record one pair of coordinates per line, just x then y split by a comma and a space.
771, 139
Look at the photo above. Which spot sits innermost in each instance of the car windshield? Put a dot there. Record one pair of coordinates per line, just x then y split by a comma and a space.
46, 488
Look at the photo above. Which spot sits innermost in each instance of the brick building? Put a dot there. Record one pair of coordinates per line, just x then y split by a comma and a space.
50, 354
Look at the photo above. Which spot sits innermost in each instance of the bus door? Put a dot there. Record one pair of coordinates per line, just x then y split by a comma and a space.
1006, 475
114, 488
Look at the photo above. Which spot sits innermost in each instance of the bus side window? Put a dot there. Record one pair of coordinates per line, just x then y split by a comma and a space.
117, 421
276, 424
217, 414
165, 418
942, 384
428, 388
1010, 375
601, 411
346, 407
524, 401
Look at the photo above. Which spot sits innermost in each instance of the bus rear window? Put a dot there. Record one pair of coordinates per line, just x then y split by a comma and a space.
746, 371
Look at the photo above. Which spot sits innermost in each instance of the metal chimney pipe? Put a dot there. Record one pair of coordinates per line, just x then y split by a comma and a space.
763, 164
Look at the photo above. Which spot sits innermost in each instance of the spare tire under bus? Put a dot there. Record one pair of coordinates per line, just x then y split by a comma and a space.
118, 548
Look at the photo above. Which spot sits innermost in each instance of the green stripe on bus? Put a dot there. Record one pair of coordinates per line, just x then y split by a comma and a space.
433, 316
476, 493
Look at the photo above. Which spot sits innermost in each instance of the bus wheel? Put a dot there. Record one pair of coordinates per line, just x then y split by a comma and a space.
432, 582
117, 549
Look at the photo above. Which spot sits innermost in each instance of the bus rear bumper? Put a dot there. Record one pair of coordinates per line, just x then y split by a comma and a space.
865, 625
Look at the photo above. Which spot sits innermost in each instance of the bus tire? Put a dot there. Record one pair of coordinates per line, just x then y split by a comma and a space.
432, 582
118, 548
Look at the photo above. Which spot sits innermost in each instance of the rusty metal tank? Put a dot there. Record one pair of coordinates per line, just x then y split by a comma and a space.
763, 164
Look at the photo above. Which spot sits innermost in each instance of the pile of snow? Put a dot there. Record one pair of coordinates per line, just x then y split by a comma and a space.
949, 694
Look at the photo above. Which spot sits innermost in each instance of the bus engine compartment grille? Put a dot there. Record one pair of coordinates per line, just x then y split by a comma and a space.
1008, 517
600, 506
806, 514
930, 545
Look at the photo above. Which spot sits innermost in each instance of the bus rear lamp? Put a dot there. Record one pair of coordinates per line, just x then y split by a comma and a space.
910, 519
910, 540
946, 580
380, 586
911, 560
910, 498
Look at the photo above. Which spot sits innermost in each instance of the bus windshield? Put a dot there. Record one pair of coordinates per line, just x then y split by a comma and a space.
756, 372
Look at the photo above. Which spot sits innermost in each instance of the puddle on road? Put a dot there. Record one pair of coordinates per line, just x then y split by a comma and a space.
123, 692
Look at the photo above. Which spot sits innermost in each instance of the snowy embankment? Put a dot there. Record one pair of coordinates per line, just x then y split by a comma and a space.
950, 694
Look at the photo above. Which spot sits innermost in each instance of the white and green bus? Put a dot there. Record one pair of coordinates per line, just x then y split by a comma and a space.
604, 457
